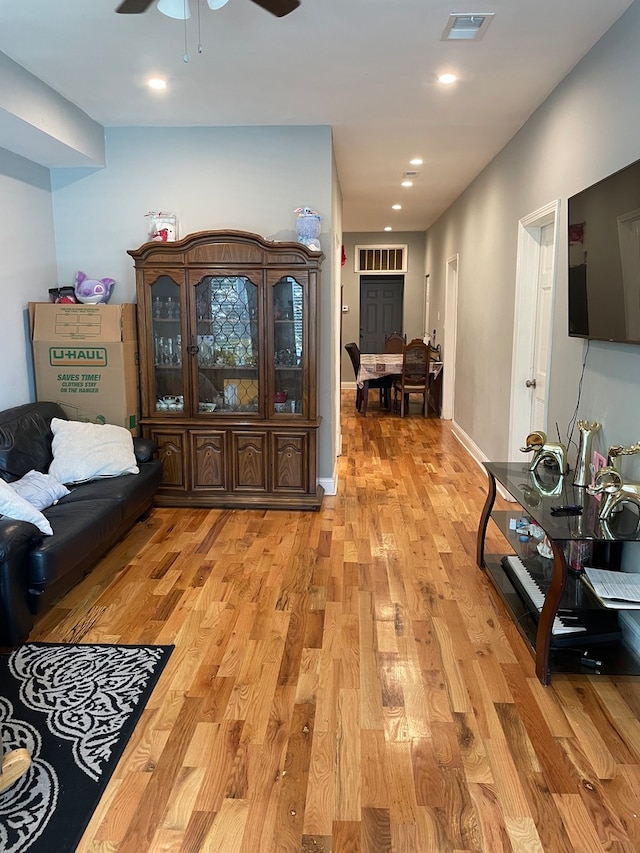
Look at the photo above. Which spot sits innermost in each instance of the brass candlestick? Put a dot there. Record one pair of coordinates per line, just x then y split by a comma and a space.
582, 475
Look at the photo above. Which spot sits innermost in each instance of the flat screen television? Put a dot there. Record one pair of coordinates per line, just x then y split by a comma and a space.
604, 259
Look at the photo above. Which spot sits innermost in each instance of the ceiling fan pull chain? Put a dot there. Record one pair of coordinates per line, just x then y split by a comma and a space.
199, 38
186, 56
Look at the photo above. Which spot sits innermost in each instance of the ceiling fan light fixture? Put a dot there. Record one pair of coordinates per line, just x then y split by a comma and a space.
178, 9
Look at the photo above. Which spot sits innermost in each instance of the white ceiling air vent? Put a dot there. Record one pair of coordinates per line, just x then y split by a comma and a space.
466, 26
410, 175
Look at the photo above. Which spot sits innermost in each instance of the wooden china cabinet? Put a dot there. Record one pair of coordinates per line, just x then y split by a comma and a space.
228, 369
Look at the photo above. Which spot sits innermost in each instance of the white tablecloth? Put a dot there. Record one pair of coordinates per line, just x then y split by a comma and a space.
375, 365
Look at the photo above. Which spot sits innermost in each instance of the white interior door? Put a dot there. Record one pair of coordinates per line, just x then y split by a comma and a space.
542, 330
535, 287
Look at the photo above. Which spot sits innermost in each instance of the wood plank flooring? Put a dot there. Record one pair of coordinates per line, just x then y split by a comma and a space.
347, 681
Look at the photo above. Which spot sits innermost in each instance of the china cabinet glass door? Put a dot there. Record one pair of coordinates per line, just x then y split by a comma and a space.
166, 337
287, 311
227, 344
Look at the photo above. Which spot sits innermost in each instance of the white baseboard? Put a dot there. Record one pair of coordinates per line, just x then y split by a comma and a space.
477, 455
330, 484
469, 445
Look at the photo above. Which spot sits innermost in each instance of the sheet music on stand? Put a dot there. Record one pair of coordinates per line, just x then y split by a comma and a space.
615, 590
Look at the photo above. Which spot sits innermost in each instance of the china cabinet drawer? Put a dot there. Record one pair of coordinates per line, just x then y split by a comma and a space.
290, 452
171, 450
250, 461
209, 456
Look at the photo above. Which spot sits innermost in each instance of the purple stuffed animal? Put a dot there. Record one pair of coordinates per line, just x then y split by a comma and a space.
91, 290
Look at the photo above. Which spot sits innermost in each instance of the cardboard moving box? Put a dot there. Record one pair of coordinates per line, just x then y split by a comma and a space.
86, 359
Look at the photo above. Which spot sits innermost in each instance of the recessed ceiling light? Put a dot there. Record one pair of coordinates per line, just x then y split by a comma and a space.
417, 161
447, 78
157, 83
396, 207
406, 184
388, 228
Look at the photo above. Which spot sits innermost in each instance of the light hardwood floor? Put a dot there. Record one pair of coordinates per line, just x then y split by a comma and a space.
348, 680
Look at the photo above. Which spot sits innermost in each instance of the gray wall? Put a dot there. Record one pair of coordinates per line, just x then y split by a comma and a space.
27, 270
246, 178
414, 286
588, 128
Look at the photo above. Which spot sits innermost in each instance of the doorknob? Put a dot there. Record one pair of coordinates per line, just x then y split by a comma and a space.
530, 383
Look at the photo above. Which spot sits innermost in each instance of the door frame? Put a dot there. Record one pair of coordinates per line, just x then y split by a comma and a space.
427, 307
525, 319
452, 272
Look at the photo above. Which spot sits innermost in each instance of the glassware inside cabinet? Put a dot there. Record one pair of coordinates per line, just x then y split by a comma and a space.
167, 345
288, 344
227, 344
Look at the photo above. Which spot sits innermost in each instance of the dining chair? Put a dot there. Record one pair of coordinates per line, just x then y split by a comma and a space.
395, 342
354, 354
384, 384
434, 390
414, 378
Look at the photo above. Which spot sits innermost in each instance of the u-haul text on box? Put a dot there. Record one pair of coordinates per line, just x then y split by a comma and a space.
93, 377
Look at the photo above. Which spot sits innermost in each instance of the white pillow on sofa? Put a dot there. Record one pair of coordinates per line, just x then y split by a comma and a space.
41, 490
14, 506
83, 452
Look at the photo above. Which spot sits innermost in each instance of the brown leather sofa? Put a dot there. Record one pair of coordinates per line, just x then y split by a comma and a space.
35, 569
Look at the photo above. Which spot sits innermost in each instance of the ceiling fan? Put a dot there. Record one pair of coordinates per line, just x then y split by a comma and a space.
279, 8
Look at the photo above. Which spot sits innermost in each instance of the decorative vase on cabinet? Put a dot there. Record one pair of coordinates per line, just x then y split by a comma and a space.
228, 369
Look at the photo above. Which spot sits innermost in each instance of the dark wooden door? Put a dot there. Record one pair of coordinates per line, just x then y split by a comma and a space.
380, 309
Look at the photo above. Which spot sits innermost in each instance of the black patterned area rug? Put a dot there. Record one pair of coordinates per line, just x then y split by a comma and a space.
74, 707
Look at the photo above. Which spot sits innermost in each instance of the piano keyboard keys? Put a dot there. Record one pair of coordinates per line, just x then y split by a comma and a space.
517, 570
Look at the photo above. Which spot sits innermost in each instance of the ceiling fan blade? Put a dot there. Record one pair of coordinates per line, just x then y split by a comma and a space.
279, 8
133, 7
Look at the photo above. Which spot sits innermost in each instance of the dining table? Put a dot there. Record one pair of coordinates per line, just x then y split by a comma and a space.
379, 364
